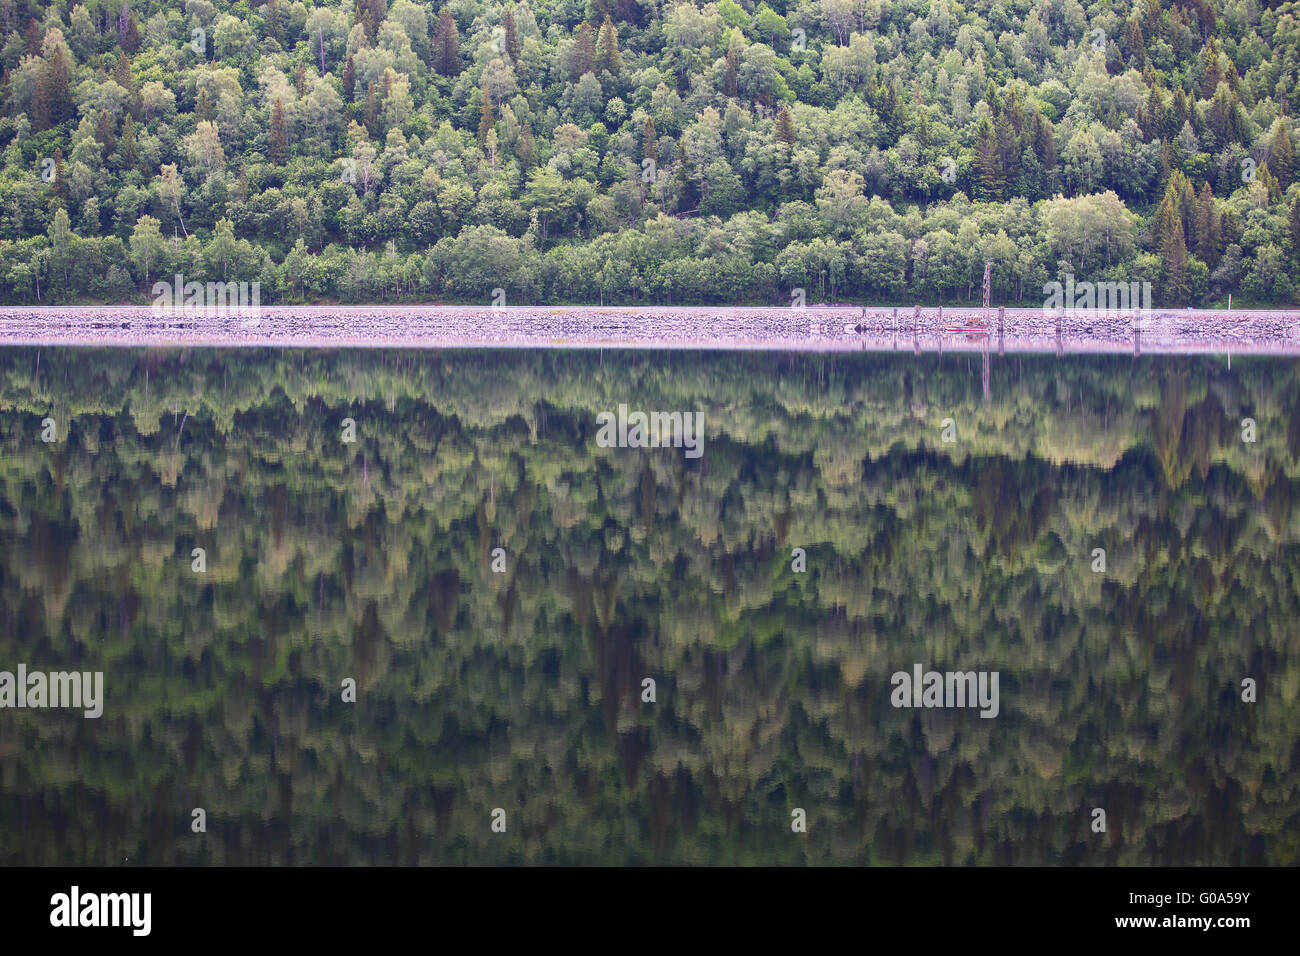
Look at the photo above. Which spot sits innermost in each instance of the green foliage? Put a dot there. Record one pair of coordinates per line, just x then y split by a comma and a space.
754, 108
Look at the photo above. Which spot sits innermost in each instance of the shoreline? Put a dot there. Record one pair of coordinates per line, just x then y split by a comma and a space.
812, 329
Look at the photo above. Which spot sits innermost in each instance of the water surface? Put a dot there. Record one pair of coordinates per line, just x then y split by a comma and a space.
522, 690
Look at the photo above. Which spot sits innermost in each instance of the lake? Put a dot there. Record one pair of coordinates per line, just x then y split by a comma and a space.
1100, 532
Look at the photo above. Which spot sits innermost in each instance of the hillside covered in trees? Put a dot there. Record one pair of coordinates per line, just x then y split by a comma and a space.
522, 689
644, 151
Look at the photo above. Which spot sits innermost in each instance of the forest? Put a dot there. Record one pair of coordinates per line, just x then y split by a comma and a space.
645, 151
522, 690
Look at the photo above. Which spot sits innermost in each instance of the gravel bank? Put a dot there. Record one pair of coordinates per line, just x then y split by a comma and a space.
816, 328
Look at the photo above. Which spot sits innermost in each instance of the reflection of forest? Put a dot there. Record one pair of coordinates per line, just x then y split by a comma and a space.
522, 690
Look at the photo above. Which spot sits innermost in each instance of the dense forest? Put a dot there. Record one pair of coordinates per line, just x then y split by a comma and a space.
639, 151
521, 689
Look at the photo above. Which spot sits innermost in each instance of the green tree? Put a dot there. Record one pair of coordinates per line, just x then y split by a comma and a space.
1295, 230
607, 55
349, 81
446, 45
1208, 228
1169, 238
785, 126
584, 51
1281, 158
61, 240
486, 120
278, 149
147, 246
58, 78
513, 49
988, 162
126, 146
130, 35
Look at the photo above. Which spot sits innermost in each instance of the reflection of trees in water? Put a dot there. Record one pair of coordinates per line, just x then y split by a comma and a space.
522, 689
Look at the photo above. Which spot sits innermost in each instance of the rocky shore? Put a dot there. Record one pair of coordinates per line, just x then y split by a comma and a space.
816, 328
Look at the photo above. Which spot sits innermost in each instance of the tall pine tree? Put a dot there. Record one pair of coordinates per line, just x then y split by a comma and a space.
486, 120
1281, 159
1167, 233
279, 144
513, 50
607, 55
1295, 231
1209, 229
988, 162
349, 80
446, 45
129, 39
58, 81
584, 52
785, 126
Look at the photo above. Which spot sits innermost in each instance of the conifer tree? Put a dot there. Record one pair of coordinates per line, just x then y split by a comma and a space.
1169, 240
446, 45
130, 37
58, 77
1008, 148
1208, 228
526, 147
1213, 72
785, 126
274, 21
513, 50
1295, 231
126, 149
60, 184
584, 51
1281, 159
988, 162
607, 55
486, 121
122, 73
279, 144
1265, 176
730, 81
1134, 44
203, 105
105, 130
41, 104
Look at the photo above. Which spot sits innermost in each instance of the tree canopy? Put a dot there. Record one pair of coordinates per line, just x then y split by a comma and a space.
650, 152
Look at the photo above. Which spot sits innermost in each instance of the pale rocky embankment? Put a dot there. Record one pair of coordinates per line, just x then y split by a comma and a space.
816, 328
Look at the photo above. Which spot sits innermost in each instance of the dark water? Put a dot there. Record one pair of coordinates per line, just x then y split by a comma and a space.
522, 690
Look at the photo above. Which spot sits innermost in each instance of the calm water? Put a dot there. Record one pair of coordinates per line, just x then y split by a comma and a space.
522, 690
